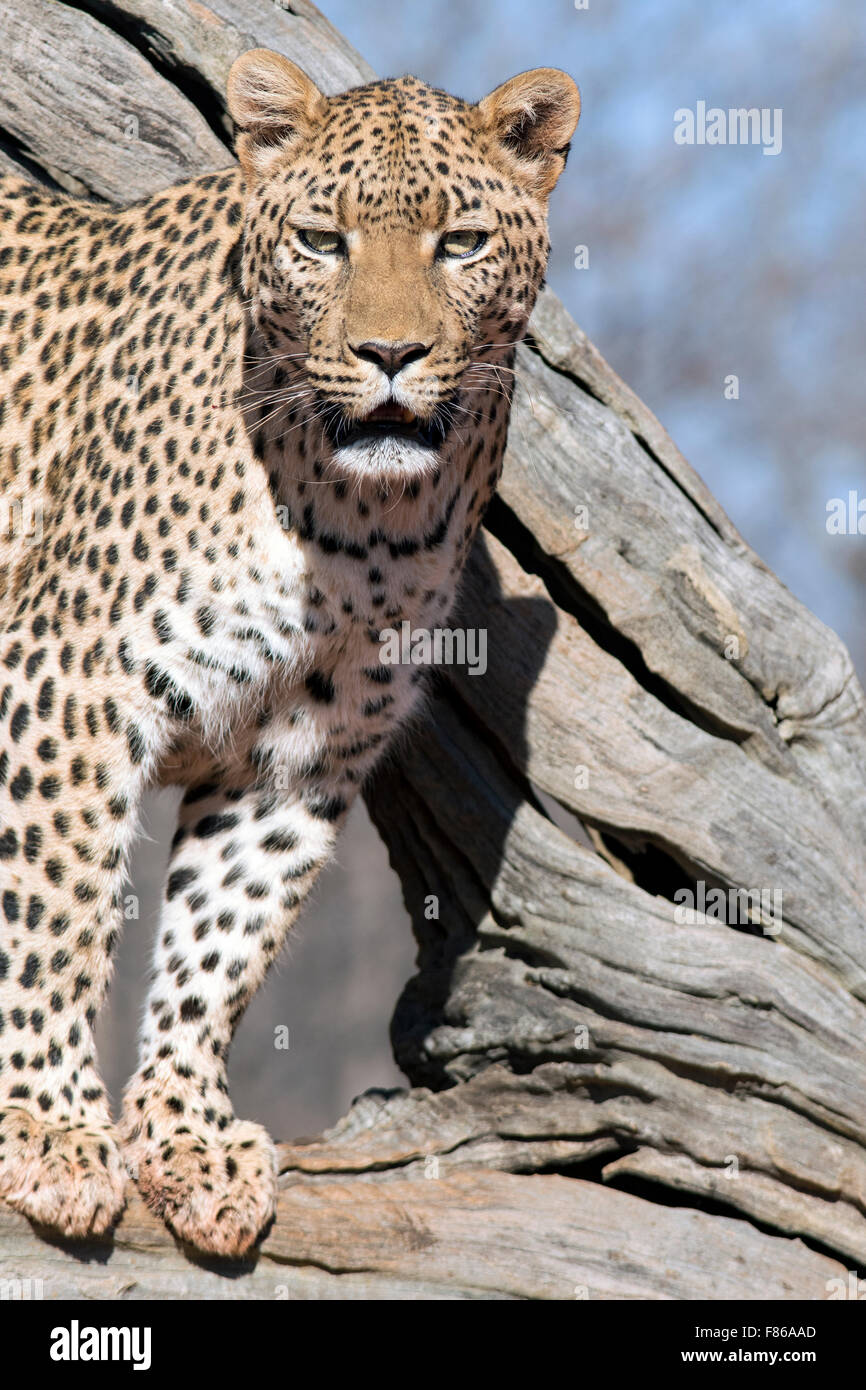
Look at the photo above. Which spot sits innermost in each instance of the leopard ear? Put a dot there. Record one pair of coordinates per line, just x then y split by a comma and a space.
532, 118
272, 103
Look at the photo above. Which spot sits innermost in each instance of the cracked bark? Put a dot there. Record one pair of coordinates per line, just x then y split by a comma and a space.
606, 1101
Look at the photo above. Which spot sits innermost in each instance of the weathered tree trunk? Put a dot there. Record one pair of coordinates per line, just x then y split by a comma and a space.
608, 1101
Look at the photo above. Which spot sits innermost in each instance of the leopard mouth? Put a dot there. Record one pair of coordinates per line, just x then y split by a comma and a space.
390, 421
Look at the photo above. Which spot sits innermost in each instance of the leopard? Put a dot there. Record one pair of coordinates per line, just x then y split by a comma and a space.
247, 424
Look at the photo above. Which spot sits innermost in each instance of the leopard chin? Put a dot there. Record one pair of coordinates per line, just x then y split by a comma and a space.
381, 456
389, 442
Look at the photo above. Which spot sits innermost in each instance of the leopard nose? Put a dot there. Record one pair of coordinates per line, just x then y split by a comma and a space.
391, 357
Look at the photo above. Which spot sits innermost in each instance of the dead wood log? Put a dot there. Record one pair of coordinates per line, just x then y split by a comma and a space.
659, 716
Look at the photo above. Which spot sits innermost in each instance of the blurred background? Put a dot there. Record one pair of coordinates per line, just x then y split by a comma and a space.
703, 262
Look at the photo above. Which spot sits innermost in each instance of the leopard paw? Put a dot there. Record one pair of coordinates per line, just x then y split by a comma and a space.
215, 1190
71, 1180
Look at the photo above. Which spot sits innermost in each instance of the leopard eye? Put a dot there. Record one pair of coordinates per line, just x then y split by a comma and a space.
323, 243
459, 245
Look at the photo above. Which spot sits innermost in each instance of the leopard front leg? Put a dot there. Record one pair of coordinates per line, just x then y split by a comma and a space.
71, 772
245, 856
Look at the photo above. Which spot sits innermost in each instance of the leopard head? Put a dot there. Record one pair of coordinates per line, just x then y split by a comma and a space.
395, 240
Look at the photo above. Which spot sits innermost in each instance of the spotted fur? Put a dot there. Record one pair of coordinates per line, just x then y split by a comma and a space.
241, 459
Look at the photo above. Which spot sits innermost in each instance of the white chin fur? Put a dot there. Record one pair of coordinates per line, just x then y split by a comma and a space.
388, 456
